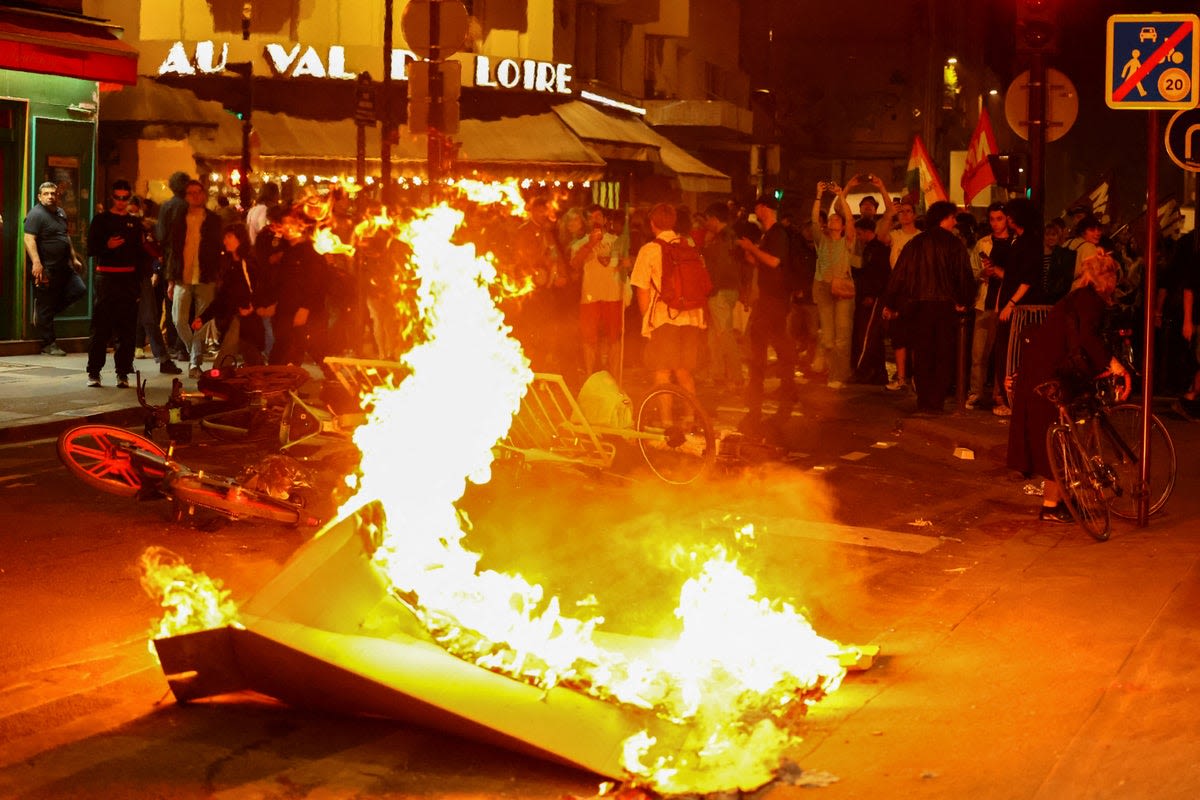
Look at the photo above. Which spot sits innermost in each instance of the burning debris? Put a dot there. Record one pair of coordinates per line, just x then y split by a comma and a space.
415, 626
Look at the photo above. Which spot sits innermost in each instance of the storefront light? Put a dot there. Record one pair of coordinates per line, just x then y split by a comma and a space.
369, 180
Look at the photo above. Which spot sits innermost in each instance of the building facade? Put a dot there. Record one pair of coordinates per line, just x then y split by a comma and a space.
53, 59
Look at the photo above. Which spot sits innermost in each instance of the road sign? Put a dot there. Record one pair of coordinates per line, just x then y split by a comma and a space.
419, 19
1062, 104
1183, 139
364, 100
1151, 61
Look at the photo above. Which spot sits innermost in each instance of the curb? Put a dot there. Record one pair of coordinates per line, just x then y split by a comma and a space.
124, 418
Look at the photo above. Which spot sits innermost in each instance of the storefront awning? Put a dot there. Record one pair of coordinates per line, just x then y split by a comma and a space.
533, 146
630, 139
50, 44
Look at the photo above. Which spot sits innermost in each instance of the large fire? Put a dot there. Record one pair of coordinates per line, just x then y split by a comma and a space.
742, 670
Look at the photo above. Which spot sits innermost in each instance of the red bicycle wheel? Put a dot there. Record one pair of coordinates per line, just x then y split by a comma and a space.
101, 456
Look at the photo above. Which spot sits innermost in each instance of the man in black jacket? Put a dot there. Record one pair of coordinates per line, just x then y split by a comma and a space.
933, 283
115, 241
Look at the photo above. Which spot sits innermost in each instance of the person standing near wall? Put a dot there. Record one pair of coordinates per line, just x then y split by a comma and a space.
54, 265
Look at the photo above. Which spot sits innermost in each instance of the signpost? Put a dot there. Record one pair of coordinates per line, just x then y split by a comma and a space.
364, 117
434, 30
1151, 63
1062, 104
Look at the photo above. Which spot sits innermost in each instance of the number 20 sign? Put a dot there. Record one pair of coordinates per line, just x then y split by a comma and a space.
1152, 61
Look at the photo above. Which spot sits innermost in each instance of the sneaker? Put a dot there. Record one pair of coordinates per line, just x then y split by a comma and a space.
897, 385
122, 381
1057, 514
1001, 410
94, 381
836, 385
972, 401
169, 368
140, 353
53, 349
194, 373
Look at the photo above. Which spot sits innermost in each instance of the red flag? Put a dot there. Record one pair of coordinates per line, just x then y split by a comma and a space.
922, 175
977, 174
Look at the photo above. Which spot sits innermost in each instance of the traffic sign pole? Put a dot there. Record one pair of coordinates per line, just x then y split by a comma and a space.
1151, 64
1142, 491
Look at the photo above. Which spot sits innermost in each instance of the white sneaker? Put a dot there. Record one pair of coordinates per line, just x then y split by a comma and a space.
1002, 411
972, 400
836, 385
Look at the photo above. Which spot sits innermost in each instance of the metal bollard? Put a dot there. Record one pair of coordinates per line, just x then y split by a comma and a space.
960, 381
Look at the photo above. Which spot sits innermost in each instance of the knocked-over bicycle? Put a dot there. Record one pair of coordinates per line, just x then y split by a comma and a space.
120, 462
1095, 452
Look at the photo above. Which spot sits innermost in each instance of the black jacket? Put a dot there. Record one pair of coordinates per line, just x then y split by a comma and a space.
934, 266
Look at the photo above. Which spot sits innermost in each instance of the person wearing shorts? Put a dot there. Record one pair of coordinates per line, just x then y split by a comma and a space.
601, 302
675, 337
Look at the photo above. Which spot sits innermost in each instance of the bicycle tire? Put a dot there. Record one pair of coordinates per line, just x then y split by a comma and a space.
232, 500
675, 455
101, 457
1126, 420
1073, 475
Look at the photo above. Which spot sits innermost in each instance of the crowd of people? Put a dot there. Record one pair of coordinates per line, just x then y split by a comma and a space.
866, 295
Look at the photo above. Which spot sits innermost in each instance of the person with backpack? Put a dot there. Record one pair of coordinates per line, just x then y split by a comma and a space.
770, 302
672, 287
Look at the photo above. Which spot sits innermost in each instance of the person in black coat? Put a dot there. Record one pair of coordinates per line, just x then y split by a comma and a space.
233, 306
1068, 347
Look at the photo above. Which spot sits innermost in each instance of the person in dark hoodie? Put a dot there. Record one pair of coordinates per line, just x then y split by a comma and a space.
233, 305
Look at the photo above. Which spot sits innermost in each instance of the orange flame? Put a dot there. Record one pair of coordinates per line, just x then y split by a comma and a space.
192, 600
743, 669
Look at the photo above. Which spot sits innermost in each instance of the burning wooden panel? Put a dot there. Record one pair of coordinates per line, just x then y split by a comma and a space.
325, 634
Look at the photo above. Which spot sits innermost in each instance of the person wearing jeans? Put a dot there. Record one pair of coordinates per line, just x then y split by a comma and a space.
192, 269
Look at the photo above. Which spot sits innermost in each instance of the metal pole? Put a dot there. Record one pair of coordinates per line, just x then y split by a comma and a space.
1037, 132
385, 139
1143, 487
433, 138
963, 372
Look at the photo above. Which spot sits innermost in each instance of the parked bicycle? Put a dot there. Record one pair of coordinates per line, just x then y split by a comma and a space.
1095, 452
119, 462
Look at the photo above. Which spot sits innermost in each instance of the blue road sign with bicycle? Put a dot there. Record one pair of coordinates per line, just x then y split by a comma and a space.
1152, 61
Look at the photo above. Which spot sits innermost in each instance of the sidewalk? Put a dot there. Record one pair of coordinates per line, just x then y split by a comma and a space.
42, 395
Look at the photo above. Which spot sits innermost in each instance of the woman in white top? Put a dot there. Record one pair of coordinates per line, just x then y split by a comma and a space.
836, 313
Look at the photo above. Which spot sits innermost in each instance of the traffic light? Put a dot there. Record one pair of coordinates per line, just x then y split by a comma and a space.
779, 195
1011, 170
240, 100
1037, 26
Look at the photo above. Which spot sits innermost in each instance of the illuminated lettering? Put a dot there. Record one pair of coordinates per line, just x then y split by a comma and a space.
176, 62
303, 61
309, 64
281, 60
400, 61
533, 76
204, 57
337, 63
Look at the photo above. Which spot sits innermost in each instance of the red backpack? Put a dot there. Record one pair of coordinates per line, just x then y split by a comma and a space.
686, 284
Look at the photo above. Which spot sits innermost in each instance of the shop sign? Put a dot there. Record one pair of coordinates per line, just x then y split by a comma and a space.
298, 60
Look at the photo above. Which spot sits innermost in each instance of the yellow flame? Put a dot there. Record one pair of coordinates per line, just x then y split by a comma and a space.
326, 242
192, 601
743, 668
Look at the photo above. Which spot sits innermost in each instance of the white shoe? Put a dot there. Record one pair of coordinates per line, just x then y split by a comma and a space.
1002, 411
836, 385
972, 400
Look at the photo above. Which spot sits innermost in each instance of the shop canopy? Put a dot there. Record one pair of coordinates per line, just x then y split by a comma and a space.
76, 47
532, 146
628, 138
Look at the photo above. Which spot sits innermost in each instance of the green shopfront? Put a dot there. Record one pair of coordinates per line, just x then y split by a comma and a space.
52, 66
